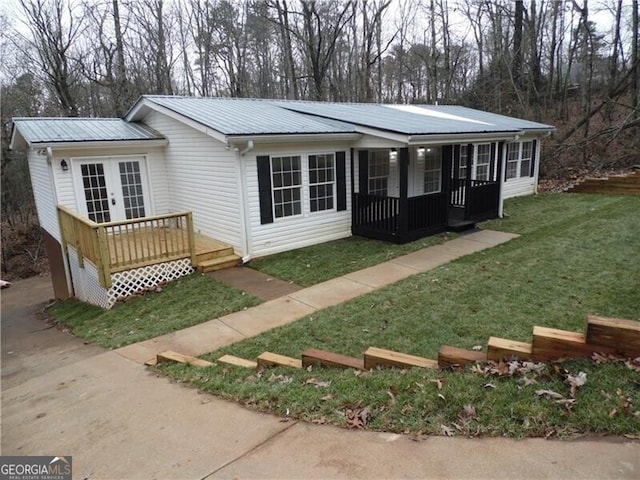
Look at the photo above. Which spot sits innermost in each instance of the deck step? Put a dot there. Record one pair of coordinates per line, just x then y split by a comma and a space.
237, 361
451, 356
211, 254
329, 359
618, 334
379, 357
268, 359
228, 261
173, 357
500, 348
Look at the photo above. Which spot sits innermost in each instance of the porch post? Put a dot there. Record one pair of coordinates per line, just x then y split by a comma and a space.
467, 187
403, 214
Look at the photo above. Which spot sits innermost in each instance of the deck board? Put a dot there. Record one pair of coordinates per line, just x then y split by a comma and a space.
130, 249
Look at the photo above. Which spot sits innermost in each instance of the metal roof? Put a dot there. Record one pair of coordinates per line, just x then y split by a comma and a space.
235, 116
414, 119
62, 130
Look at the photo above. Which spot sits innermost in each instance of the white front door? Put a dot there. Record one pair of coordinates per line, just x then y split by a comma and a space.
110, 189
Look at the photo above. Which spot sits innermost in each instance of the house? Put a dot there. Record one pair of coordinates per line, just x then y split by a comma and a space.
182, 183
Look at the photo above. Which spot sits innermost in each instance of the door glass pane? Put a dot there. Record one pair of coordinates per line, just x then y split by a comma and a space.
132, 189
95, 192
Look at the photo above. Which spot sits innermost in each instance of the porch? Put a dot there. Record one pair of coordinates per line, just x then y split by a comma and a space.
412, 192
115, 247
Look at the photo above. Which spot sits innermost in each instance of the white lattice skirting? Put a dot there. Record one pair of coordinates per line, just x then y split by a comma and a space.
131, 282
124, 284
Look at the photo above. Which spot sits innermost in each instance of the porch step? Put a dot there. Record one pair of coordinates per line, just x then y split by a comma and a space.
460, 225
227, 261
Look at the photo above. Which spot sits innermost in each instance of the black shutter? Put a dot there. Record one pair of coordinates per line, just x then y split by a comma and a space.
501, 159
264, 189
534, 144
363, 171
341, 182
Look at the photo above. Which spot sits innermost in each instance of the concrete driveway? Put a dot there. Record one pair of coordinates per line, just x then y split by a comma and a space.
119, 421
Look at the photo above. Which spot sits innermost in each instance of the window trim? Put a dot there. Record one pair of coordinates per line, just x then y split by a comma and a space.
519, 160
476, 163
426, 171
292, 187
333, 182
373, 154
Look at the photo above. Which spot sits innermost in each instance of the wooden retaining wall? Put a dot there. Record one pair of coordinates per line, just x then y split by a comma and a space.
601, 335
614, 185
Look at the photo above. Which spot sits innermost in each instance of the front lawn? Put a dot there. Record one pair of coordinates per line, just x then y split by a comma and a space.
180, 304
578, 255
318, 263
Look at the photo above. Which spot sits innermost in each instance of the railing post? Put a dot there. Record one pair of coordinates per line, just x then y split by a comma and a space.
192, 239
403, 213
104, 264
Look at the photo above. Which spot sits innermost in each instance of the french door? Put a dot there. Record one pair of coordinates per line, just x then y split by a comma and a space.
112, 188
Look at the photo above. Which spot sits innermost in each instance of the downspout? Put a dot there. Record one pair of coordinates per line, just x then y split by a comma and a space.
246, 227
503, 168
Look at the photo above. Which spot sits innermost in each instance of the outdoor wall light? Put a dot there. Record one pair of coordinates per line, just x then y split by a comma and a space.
421, 151
64, 165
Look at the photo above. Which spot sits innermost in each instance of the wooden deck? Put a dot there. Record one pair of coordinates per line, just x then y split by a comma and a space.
127, 245
132, 249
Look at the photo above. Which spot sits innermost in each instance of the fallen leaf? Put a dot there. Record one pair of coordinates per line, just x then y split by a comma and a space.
358, 417
318, 383
633, 364
613, 412
489, 385
326, 398
444, 430
392, 395
528, 381
469, 411
441, 396
576, 381
438, 382
477, 348
280, 379
549, 394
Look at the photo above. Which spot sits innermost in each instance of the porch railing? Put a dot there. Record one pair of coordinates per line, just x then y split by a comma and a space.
483, 200
117, 246
375, 212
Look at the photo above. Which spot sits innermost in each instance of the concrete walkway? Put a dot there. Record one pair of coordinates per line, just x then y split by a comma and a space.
255, 283
120, 421
214, 334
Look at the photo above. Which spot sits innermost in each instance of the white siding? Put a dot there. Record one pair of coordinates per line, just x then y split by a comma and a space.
203, 179
43, 193
156, 173
517, 187
300, 230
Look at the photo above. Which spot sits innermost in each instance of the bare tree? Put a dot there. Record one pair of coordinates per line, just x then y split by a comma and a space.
55, 29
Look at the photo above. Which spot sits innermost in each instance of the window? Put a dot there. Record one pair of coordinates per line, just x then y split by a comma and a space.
526, 159
464, 155
287, 186
513, 157
483, 162
95, 191
321, 181
519, 158
132, 189
432, 170
378, 172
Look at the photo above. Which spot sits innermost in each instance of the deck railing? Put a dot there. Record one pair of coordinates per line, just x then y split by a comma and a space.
117, 246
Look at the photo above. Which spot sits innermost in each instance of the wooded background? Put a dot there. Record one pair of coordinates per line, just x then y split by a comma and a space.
570, 63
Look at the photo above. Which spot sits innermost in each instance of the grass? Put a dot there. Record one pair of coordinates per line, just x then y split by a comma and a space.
578, 255
180, 304
318, 263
